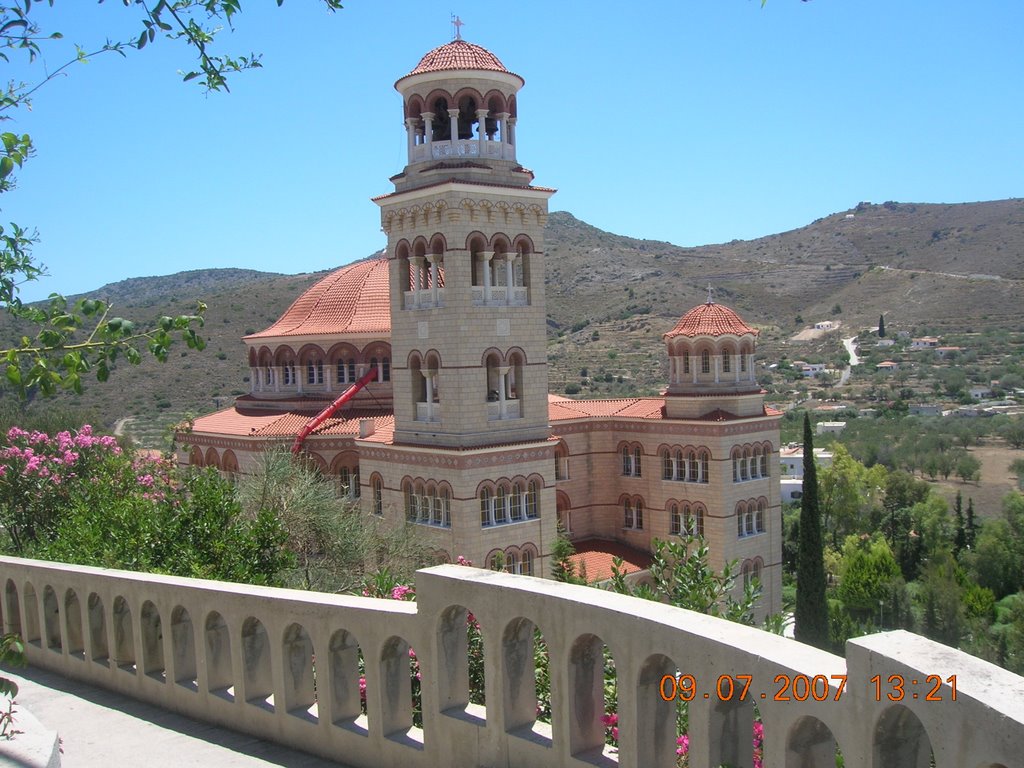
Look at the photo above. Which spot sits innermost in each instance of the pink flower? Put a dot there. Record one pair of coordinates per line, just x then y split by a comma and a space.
145, 480
460, 560
683, 745
402, 592
15, 432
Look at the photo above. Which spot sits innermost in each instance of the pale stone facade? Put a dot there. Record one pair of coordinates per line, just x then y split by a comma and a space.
457, 434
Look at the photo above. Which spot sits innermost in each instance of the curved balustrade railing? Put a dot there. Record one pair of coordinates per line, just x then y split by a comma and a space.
286, 666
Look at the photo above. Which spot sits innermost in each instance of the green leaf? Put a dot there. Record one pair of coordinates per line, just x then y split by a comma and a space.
14, 375
102, 372
6, 166
143, 39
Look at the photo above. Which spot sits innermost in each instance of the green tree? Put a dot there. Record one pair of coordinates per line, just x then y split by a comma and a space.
867, 576
968, 467
848, 492
562, 566
812, 624
682, 577
1017, 468
971, 528
59, 343
960, 537
881, 326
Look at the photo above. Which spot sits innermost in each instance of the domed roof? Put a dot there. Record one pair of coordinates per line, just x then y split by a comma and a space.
353, 299
459, 54
710, 319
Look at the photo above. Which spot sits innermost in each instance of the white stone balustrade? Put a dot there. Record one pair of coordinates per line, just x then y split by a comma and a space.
243, 657
497, 411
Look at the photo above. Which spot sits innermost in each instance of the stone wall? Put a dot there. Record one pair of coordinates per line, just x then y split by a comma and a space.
285, 666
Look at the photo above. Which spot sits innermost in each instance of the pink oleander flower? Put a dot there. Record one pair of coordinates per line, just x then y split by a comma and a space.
15, 432
460, 560
362, 688
683, 745
146, 481
402, 592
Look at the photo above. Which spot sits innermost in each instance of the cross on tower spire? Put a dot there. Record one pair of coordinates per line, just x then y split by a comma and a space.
711, 299
457, 23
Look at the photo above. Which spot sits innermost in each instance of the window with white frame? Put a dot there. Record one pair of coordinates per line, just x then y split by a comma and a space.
315, 372
631, 461
633, 514
675, 520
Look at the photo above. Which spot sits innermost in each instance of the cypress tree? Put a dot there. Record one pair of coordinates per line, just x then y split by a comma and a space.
960, 538
970, 530
811, 607
881, 326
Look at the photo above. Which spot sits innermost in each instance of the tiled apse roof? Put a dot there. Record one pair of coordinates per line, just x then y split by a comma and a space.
710, 319
459, 54
241, 422
353, 299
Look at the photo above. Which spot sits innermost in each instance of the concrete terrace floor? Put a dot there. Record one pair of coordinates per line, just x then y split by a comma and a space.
101, 728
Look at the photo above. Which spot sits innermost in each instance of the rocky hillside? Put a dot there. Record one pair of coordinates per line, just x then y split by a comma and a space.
926, 267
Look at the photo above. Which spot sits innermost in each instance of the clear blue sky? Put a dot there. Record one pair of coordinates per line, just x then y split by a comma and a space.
695, 121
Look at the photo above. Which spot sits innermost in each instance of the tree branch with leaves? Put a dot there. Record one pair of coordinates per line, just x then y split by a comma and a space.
66, 342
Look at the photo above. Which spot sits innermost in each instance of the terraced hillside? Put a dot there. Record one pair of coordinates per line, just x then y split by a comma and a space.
928, 268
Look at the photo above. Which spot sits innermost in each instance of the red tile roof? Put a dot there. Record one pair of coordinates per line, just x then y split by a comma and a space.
353, 299
710, 319
561, 408
597, 554
243, 422
458, 54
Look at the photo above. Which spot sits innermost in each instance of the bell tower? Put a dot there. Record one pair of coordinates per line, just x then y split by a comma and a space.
465, 232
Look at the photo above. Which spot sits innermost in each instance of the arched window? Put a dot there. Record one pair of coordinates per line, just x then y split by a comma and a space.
693, 469
486, 507
679, 467
532, 503
675, 521
741, 511
378, 495
639, 514
518, 503
726, 361
735, 465
755, 571
743, 362
705, 460
636, 461
385, 366
666, 464
315, 372
705, 362
627, 513
446, 508
745, 465
528, 558
500, 505
759, 517
410, 512
764, 462
698, 520
747, 570
686, 362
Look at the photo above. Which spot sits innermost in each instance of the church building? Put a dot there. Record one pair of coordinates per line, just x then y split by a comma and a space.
419, 379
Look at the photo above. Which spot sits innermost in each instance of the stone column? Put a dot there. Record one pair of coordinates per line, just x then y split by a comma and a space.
736, 365
429, 378
428, 129
693, 367
481, 129
410, 135
277, 378
511, 122
417, 283
254, 379
453, 117
485, 263
509, 277
433, 258
502, 384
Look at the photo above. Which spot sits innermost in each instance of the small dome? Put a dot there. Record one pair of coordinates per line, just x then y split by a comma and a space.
459, 54
353, 299
710, 319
